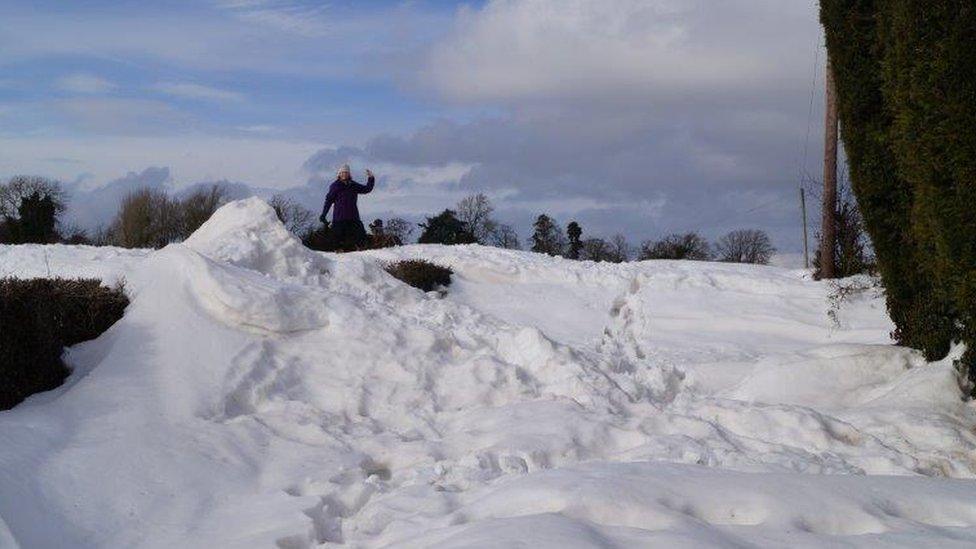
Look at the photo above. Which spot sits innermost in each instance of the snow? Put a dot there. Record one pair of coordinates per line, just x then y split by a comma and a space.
258, 394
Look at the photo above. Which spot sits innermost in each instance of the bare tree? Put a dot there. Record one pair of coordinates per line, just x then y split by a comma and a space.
595, 249
399, 228
19, 187
689, 246
504, 236
147, 218
851, 252
73, 234
475, 211
619, 249
196, 208
295, 217
745, 246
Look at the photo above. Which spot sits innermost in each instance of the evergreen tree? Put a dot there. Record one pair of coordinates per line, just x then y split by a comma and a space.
906, 77
38, 217
29, 209
446, 228
548, 237
575, 233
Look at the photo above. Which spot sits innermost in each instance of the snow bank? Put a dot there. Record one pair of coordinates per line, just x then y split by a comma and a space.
665, 505
258, 394
246, 233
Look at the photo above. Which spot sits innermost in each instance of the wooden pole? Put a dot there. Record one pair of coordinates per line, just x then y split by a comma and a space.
806, 244
827, 236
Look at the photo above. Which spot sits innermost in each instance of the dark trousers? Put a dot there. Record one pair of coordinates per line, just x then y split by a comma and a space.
347, 235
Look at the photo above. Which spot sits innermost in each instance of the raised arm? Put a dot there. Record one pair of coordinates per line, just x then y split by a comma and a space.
368, 187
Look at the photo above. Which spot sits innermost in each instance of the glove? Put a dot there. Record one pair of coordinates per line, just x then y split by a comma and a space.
369, 174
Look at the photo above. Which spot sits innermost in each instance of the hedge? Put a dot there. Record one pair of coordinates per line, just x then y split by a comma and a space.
41, 316
421, 274
906, 82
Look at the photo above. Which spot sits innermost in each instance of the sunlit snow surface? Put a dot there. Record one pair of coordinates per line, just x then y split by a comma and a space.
257, 394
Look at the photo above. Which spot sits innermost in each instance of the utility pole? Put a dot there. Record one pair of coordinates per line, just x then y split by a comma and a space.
806, 244
827, 236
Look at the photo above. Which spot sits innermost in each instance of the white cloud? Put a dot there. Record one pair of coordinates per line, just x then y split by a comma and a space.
292, 17
259, 128
307, 39
85, 83
115, 115
191, 158
188, 90
532, 49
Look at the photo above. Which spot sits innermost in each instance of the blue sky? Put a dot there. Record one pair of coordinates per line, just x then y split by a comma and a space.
635, 116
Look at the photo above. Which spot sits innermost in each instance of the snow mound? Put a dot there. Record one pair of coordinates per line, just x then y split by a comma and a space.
665, 505
257, 393
845, 376
248, 234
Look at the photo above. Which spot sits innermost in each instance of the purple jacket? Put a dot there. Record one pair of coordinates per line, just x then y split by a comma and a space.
344, 195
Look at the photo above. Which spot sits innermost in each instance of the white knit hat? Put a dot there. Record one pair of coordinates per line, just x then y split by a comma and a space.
344, 168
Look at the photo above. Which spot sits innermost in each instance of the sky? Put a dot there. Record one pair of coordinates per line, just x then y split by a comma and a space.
641, 117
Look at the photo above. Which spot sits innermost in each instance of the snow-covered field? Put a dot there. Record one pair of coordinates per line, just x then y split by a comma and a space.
257, 394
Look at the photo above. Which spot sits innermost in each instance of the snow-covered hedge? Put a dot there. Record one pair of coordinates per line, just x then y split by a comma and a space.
41, 316
421, 274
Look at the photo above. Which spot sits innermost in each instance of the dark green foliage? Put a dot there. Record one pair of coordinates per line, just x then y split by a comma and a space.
38, 217
548, 237
906, 79
8, 231
38, 318
421, 274
575, 234
446, 228
689, 246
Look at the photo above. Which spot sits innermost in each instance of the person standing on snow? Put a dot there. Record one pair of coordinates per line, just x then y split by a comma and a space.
347, 231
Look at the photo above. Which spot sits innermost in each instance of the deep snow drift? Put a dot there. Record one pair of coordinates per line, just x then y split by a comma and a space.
258, 394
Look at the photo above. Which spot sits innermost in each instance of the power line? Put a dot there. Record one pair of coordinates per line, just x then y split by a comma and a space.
802, 172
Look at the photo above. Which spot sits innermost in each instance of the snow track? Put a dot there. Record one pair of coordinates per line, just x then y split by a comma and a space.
259, 394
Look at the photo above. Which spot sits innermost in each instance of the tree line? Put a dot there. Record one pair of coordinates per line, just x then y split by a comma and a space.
31, 209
